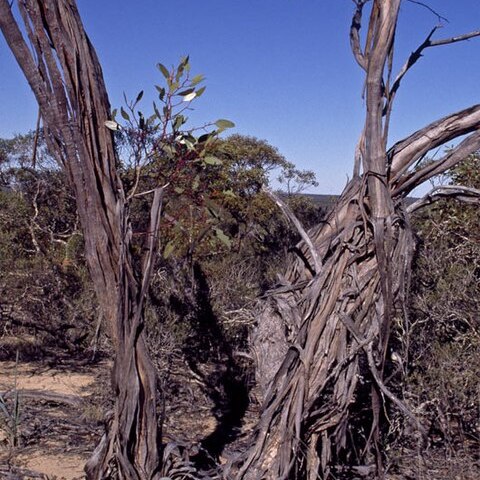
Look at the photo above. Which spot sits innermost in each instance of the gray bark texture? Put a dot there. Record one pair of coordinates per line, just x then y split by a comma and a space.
335, 321
66, 78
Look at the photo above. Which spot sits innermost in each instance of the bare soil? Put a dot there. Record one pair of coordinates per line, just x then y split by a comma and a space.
59, 422
62, 407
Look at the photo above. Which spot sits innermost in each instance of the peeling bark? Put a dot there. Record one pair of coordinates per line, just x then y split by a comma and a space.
66, 78
336, 321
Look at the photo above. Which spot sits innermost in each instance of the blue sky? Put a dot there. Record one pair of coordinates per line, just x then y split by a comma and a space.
280, 69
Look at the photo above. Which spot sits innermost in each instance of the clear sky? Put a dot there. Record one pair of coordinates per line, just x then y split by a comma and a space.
280, 69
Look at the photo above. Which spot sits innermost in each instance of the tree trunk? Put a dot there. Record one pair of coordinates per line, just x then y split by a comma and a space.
323, 402
66, 78
341, 322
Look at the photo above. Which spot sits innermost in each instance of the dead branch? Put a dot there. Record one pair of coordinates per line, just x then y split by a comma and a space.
429, 8
406, 152
417, 54
355, 34
73, 400
456, 192
367, 346
455, 155
287, 211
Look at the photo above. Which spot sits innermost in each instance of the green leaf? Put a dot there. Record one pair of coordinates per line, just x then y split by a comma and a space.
222, 237
168, 149
125, 115
179, 190
186, 92
164, 70
112, 125
212, 211
211, 160
141, 121
188, 143
189, 97
179, 121
114, 113
139, 96
223, 124
196, 182
179, 73
197, 79
200, 91
151, 119
229, 193
168, 250
157, 112
161, 92
204, 137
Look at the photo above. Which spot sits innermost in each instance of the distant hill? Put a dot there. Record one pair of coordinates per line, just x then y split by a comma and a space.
327, 201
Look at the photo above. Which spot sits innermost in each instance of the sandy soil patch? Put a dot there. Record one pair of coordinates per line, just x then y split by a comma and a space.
56, 439
61, 467
31, 377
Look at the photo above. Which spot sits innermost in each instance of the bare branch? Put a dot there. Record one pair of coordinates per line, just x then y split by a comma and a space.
35, 139
406, 152
367, 346
355, 34
417, 54
455, 155
287, 211
412, 59
440, 18
359, 154
457, 192
152, 247
458, 38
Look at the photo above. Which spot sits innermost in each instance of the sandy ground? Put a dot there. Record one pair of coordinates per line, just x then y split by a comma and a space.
59, 467
49, 456
30, 376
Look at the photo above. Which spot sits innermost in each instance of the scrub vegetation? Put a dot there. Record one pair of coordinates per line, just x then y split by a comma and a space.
252, 333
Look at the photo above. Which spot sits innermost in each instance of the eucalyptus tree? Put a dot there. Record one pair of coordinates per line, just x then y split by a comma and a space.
321, 343
322, 339
62, 68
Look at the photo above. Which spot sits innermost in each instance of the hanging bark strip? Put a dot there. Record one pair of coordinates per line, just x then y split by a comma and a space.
66, 78
334, 324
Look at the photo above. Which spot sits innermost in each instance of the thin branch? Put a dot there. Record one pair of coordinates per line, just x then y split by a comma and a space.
287, 211
359, 154
35, 139
439, 17
403, 408
367, 346
417, 54
457, 192
148, 192
458, 38
412, 59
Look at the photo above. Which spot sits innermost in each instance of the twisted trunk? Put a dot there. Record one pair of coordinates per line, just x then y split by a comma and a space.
333, 322
342, 326
66, 78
